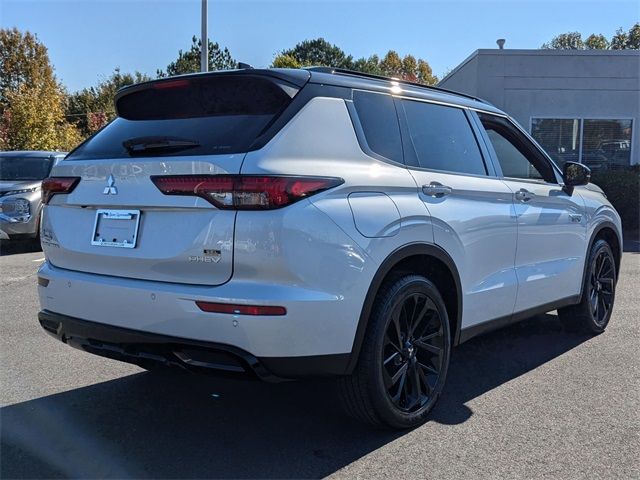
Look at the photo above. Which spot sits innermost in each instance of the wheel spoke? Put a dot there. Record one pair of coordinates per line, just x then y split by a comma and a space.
398, 375
390, 358
608, 282
395, 319
429, 307
401, 388
427, 346
428, 368
428, 389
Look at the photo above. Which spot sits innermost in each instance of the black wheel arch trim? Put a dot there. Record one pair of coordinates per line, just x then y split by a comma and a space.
393, 259
617, 255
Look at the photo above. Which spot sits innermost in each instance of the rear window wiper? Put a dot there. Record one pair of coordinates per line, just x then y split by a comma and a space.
143, 145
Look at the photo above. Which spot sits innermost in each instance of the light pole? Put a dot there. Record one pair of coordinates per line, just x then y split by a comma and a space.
204, 39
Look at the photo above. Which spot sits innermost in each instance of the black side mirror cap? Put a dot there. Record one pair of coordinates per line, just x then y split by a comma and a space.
575, 174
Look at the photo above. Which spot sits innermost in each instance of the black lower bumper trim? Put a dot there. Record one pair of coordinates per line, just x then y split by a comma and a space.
151, 349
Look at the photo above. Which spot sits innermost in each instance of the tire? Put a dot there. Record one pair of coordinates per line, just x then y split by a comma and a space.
397, 384
593, 313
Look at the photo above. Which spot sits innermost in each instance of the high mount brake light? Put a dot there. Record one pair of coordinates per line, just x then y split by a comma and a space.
170, 84
245, 192
54, 185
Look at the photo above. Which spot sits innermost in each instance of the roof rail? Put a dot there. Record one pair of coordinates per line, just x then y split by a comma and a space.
345, 71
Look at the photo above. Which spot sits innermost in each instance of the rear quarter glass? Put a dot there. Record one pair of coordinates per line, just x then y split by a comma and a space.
192, 116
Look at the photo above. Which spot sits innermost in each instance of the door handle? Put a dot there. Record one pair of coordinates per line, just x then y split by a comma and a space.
523, 195
435, 189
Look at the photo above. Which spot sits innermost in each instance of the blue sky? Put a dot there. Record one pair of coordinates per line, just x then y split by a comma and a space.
88, 38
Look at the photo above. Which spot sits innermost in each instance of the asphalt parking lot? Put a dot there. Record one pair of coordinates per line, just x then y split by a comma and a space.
530, 401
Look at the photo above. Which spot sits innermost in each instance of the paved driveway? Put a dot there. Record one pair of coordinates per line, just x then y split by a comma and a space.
531, 401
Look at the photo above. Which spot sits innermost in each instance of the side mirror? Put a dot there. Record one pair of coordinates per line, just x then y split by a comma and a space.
575, 174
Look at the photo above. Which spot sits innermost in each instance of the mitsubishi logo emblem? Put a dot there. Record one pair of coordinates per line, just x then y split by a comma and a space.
110, 189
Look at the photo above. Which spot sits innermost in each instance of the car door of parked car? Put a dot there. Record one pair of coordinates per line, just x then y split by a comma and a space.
551, 222
471, 209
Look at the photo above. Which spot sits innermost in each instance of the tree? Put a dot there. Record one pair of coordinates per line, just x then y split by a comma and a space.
619, 40
596, 42
633, 38
319, 52
189, 61
566, 41
32, 102
285, 61
91, 108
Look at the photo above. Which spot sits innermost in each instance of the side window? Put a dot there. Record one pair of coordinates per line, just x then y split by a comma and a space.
442, 138
377, 114
518, 158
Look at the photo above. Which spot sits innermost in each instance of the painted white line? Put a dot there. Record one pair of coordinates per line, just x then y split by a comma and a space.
38, 260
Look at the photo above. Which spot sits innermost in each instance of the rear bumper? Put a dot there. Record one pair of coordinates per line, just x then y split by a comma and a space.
150, 349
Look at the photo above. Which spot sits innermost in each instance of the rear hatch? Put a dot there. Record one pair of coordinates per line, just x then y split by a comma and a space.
115, 221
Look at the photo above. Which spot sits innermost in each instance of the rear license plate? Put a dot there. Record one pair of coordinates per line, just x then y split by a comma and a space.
116, 228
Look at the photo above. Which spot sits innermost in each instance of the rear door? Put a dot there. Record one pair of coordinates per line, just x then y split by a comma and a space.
117, 222
471, 209
551, 223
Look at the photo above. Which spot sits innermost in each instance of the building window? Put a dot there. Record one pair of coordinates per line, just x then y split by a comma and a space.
606, 143
601, 144
560, 137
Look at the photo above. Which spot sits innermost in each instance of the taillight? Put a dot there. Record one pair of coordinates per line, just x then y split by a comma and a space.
54, 185
241, 309
245, 192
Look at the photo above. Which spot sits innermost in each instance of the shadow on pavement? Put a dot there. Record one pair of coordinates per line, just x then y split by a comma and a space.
12, 247
166, 425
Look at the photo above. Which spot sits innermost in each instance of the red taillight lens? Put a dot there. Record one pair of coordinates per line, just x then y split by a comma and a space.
245, 192
53, 185
241, 309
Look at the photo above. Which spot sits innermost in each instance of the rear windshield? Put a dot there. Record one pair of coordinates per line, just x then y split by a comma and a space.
25, 168
190, 116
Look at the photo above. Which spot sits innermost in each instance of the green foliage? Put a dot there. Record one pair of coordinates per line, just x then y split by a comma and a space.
633, 38
319, 52
596, 42
32, 102
189, 61
622, 40
91, 108
566, 41
619, 40
622, 188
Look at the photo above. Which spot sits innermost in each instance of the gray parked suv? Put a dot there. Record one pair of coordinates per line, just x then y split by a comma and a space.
21, 174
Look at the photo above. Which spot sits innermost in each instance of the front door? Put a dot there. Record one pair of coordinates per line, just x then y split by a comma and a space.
551, 223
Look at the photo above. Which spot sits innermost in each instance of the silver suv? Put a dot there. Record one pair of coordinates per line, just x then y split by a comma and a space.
297, 223
21, 173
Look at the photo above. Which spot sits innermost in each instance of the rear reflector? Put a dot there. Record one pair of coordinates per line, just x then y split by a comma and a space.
54, 185
245, 192
241, 309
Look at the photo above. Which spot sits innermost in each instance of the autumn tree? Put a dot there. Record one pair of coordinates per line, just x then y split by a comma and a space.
91, 108
189, 61
32, 102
